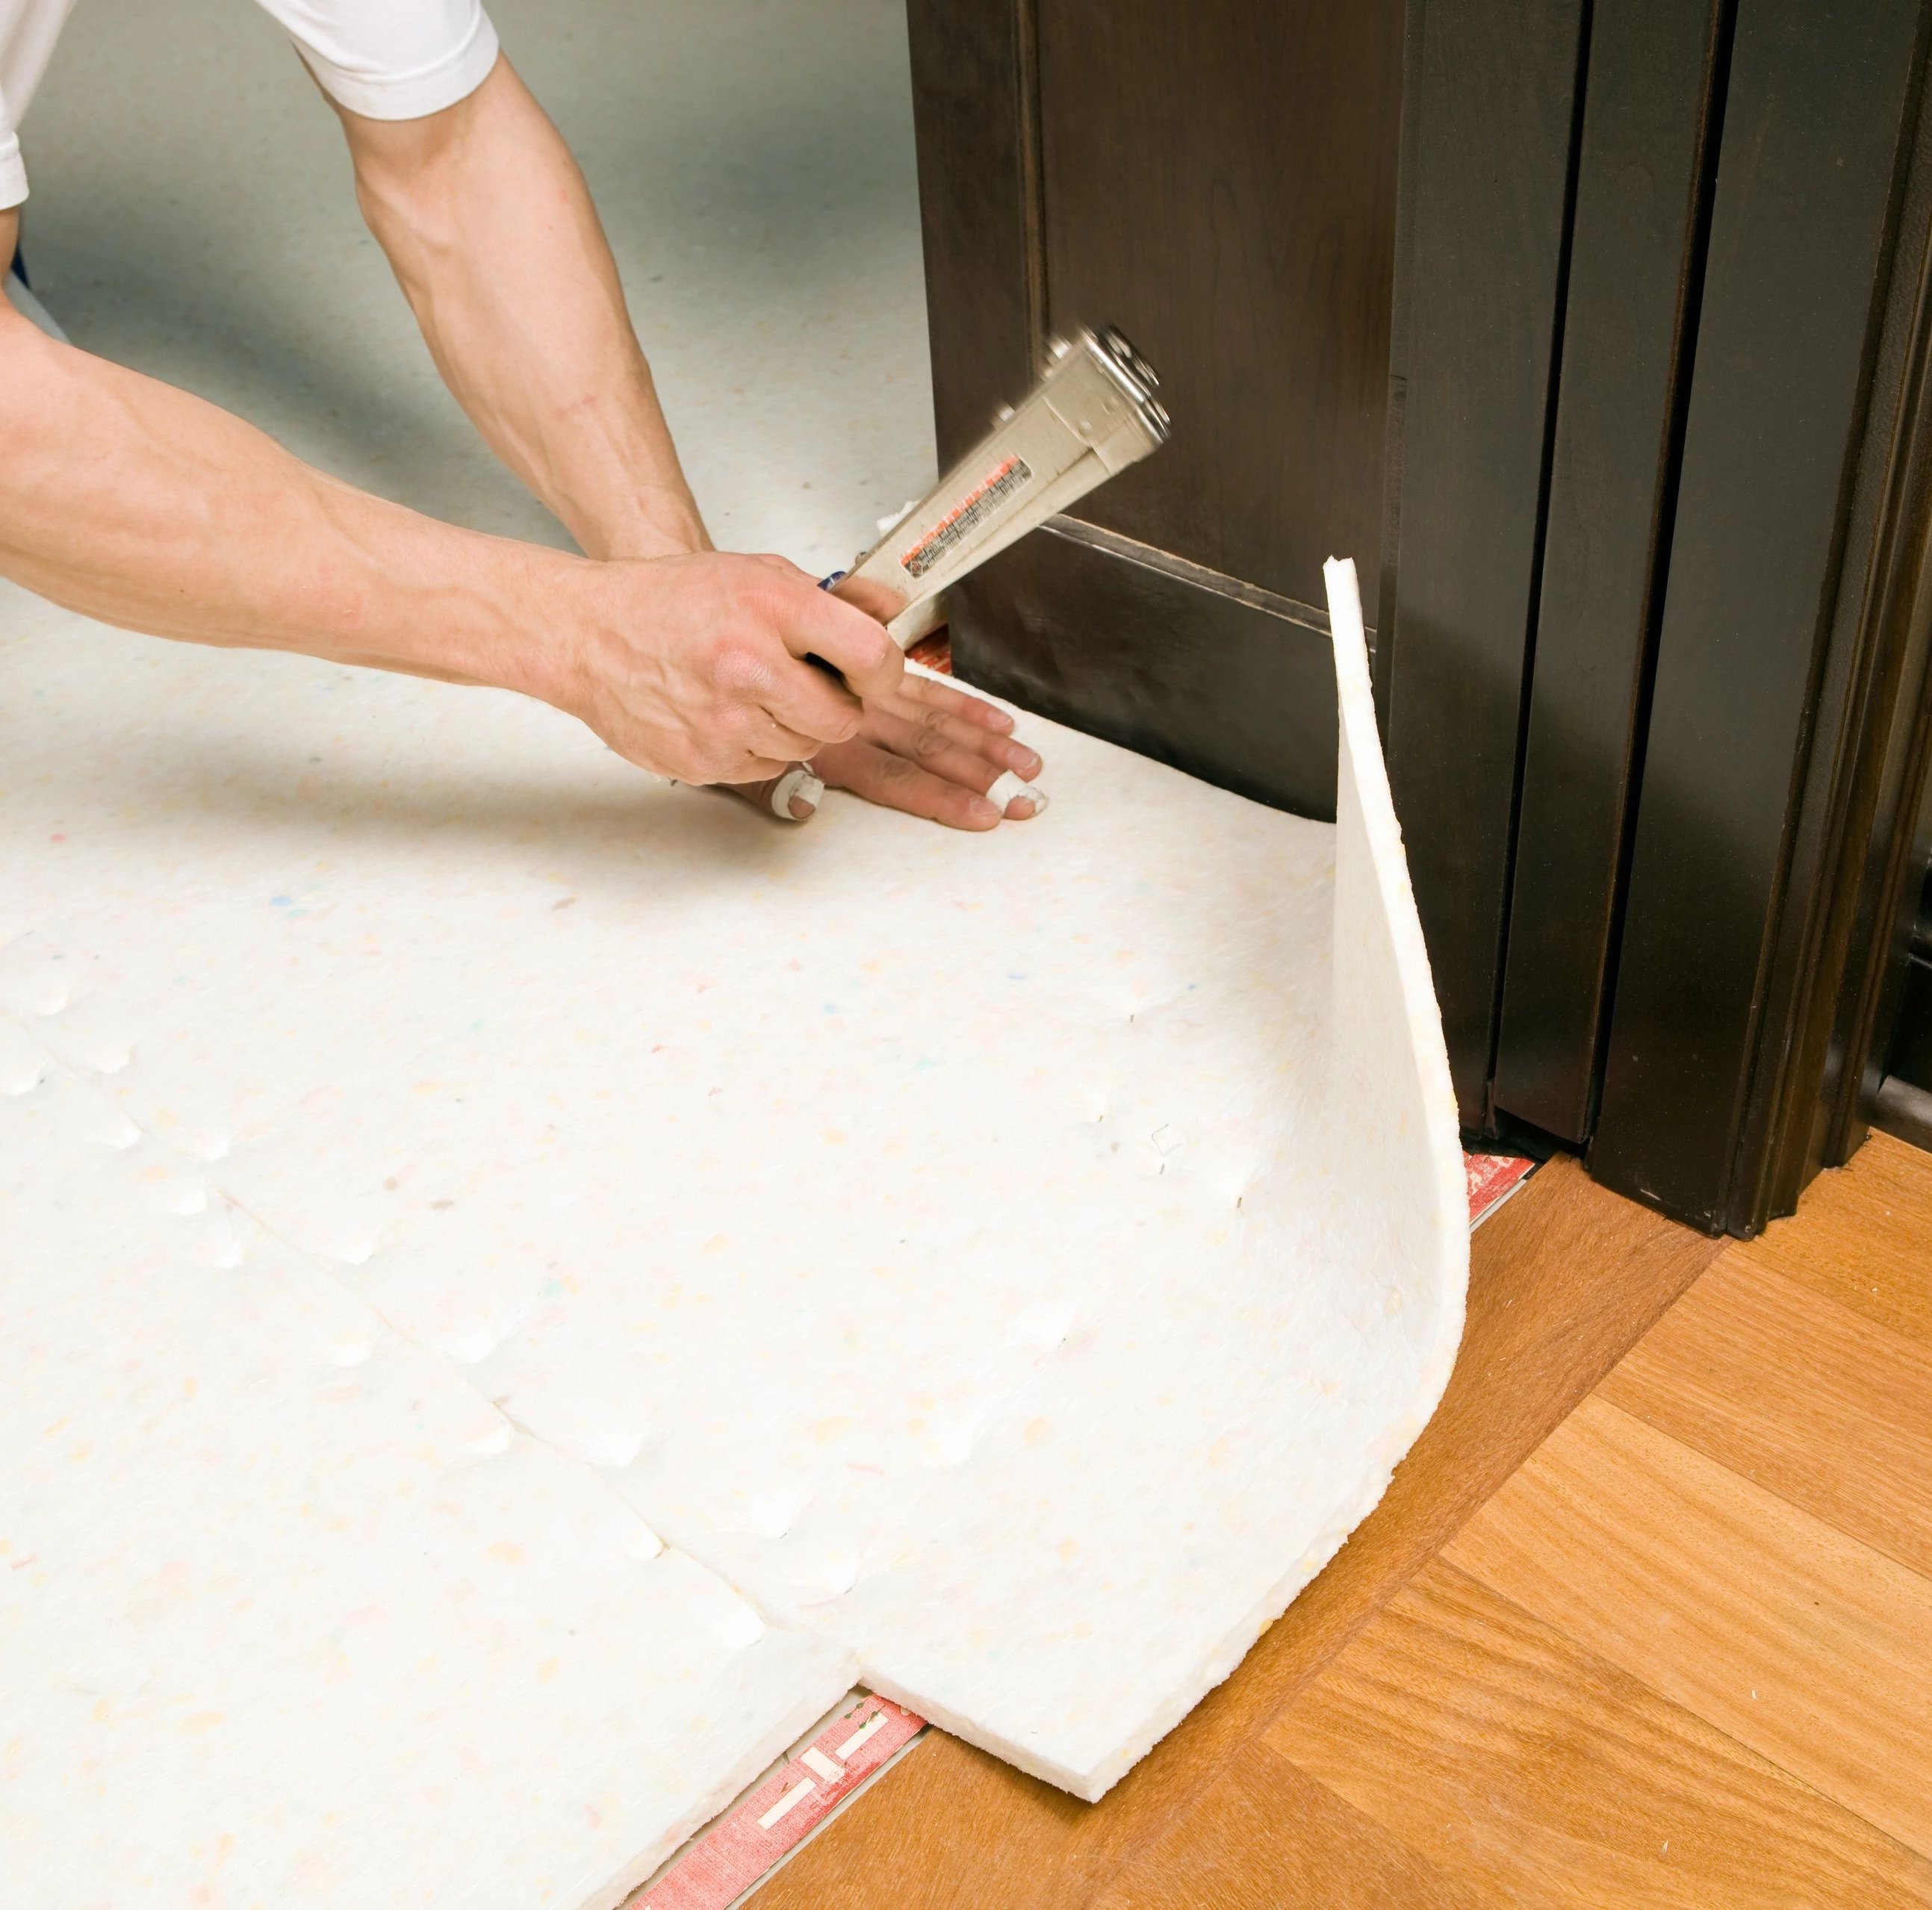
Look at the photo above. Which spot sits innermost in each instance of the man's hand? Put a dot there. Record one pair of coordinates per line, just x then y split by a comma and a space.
933, 751
543, 359
142, 505
693, 666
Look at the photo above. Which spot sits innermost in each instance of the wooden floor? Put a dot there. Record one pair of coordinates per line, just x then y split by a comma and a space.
1646, 1618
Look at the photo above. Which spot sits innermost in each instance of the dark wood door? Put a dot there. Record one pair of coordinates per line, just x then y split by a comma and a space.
1220, 183
1621, 399
1655, 653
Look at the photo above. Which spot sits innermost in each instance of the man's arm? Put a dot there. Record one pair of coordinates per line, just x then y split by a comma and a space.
490, 230
140, 504
489, 227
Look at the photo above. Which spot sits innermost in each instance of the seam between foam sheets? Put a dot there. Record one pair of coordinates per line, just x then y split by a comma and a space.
324, 1270
613, 1888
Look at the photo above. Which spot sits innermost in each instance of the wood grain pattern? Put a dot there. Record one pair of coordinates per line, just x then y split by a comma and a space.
1812, 1649
1486, 149
1221, 687
973, 125
1763, 713
1266, 1836
1550, 1701
1562, 1281
1799, 1395
1864, 1236
1518, 1763
1220, 182
1642, 156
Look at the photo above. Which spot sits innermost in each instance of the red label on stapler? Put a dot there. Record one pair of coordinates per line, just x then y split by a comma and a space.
966, 516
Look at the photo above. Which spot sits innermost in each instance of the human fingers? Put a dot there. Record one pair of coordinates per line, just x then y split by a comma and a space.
778, 742
896, 782
946, 748
876, 599
684, 665
769, 680
930, 693
979, 726
813, 622
750, 771
927, 733
794, 796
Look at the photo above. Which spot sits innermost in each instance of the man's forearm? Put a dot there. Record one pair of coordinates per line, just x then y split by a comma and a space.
142, 506
490, 228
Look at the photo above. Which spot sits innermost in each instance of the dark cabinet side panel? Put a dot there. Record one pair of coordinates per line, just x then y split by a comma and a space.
973, 129
1834, 966
1219, 182
1798, 239
1636, 249
1232, 686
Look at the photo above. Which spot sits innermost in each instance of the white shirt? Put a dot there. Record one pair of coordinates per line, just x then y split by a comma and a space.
386, 59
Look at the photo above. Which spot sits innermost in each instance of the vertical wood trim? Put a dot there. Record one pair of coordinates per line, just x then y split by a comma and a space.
1485, 182
1898, 1038
1642, 190
1381, 656
1725, 845
1033, 192
1861, 922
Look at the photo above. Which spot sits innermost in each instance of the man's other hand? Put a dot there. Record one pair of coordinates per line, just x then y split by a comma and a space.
934, 750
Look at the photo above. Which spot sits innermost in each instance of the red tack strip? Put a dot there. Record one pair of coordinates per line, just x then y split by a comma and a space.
772, 1821
935, 651
1493, 1179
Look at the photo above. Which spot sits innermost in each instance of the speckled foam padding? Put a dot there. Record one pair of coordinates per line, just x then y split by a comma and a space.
1016, 1261
290, 1614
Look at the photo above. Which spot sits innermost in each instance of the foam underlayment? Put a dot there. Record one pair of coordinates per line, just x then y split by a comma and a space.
1003, 1269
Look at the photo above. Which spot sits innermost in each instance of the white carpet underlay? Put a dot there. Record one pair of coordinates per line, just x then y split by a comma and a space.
662, 1264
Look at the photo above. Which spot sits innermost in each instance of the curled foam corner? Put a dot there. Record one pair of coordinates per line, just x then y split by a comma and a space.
1366, 806
1383, 999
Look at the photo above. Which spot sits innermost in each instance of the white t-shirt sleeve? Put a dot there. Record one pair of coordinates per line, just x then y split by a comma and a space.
392, 59
28, 31
13, 174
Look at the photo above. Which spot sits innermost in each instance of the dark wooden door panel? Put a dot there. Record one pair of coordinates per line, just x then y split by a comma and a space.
1727, 861
1649, 572
1636, 248
975, 128
1219, 182
1230, 684
1487, 145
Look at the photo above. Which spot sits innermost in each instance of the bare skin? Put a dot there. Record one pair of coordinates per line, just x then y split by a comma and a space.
136, 503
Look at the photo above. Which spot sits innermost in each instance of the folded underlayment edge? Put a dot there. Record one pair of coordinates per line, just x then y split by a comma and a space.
1365, 802
1363, 776
1366, 809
